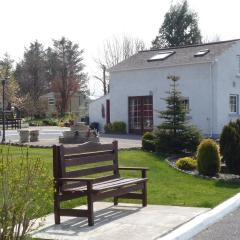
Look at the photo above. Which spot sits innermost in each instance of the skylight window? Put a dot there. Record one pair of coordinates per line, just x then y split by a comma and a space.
201, 53
161, 56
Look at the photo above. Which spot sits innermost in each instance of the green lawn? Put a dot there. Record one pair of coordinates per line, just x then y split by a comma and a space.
166, 185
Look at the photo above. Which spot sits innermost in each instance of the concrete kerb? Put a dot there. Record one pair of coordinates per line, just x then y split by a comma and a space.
201, 222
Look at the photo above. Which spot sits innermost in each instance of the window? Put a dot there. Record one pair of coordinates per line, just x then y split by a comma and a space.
161, 56
201, 53
233, 103
185, 103
51, 101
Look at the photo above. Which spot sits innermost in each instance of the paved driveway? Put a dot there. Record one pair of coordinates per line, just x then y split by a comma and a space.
49, 136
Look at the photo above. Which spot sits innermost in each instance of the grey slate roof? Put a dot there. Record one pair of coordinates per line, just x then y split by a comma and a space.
183, 55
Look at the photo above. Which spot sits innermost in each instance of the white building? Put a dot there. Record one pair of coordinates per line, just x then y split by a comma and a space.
209, 81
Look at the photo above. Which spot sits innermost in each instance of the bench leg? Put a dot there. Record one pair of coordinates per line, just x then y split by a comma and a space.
90, 211
90, 204
144, 195
56, 210
115, 201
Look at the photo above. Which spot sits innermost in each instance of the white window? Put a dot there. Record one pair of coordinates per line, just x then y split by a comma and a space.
201, 53
233, 103
185, 103
161, 56
51, 101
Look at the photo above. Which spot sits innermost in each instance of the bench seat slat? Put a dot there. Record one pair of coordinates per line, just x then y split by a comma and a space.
89, 171
98, 180
115, 183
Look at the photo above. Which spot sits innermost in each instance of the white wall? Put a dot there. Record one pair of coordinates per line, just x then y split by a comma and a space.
227, 73
194, 83
95, 111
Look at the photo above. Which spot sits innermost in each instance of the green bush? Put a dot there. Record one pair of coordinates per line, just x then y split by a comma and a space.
208, 158
148, 136
25, 193
230, 146
148, 142
186, 140
186, 163
115, 127
108, 128
50, 122
119, 127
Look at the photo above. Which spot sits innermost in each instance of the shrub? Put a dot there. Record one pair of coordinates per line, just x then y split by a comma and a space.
208, 158
108, 128
25, 192
148, 142
119, 127
115, 127
186, 163
230, 146
50, 122
186, 140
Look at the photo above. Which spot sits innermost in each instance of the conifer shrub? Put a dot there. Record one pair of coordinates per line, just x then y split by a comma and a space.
230, 146
186, 163
208, 158
175, 134
148, 143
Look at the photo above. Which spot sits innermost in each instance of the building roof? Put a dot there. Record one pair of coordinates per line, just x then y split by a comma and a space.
182, 55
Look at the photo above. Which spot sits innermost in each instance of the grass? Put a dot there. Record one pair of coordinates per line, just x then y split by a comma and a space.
166, 185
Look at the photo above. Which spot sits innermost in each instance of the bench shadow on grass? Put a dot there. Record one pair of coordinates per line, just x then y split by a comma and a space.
74, 226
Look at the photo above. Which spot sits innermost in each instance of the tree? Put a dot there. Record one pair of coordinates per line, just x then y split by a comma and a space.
174, 134
179, 28
116, 50
31, 73
67, 72
12, 92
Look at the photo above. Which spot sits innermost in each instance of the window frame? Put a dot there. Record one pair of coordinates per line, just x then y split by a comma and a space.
158, 57
201, 53
51, 101
237, 104
186, 106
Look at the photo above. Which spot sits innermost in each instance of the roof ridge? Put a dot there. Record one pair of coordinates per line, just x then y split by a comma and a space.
193, 45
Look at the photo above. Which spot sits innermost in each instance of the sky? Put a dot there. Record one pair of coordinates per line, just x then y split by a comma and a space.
91, 22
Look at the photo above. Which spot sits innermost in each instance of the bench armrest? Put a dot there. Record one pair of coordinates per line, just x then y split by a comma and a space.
134, 168
143, 169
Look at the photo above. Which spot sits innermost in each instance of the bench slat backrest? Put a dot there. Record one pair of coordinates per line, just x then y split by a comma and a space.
91, 158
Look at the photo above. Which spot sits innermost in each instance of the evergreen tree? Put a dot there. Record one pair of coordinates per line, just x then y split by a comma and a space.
67, 71
180, 27
174, 134
31, 73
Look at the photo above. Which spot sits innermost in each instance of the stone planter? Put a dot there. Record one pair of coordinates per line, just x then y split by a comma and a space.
24, 136
34, 135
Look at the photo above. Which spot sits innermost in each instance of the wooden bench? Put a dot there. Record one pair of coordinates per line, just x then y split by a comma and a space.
10, 120
70, 179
